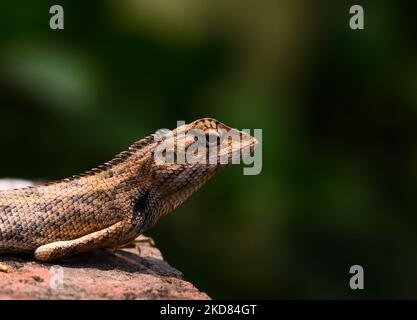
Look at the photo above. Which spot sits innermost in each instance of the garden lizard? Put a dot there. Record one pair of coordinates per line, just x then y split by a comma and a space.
110, 205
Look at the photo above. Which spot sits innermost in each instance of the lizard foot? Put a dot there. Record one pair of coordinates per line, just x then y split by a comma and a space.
5, 268
143, 239
135, 244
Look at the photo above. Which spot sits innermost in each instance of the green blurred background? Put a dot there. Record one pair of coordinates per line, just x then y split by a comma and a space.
338, 109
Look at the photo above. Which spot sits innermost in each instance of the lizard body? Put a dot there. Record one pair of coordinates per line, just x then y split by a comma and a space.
107, 206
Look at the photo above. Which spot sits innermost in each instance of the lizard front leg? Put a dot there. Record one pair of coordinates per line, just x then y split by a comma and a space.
95, 240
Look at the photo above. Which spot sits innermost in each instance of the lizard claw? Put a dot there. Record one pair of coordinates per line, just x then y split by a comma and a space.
5, 268
143, 239
135, 244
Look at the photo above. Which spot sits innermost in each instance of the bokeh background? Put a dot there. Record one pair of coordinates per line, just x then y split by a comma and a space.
338, 109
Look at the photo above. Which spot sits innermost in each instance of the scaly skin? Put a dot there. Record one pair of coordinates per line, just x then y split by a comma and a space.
105, 207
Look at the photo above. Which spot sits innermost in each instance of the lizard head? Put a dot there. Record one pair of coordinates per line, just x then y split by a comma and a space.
187, 157
202, 144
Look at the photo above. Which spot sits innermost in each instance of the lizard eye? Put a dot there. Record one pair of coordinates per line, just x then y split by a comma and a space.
212, 138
